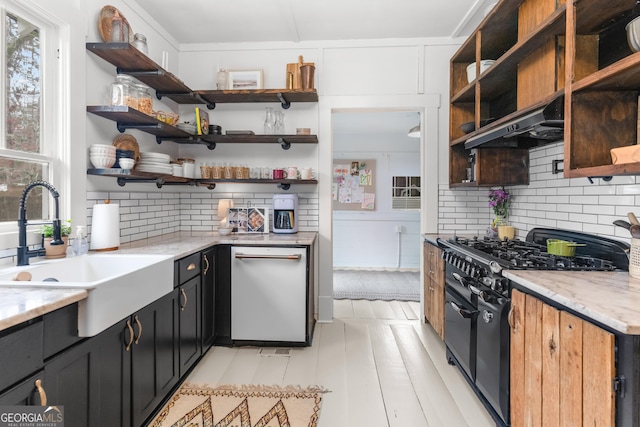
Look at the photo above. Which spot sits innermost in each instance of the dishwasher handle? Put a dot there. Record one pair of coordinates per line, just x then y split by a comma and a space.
294, 257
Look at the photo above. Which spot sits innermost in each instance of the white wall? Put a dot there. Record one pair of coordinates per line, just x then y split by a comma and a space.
363, 239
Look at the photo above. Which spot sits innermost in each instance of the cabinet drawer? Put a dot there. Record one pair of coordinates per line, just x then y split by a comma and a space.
188, 267
20, 353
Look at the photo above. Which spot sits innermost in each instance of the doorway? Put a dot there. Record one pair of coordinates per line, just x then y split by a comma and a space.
377, 240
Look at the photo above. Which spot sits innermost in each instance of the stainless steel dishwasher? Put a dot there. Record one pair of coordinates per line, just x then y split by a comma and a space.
268, 293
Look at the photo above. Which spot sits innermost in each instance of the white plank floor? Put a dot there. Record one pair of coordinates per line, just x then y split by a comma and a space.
382, 366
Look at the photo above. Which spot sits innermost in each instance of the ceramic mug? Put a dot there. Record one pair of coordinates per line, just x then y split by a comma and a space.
265, 173
292, 172
307, 173
278, 173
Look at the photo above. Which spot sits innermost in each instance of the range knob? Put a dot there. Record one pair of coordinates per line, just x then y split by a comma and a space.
499, 285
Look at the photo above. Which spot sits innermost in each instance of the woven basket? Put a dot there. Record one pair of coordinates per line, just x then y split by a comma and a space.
634, 259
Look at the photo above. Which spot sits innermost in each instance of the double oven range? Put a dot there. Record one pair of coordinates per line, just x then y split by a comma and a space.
477, 299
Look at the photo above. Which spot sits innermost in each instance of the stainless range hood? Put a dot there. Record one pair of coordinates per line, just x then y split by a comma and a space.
541, 125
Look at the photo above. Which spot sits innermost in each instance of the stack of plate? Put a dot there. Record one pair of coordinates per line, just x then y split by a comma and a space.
154, 163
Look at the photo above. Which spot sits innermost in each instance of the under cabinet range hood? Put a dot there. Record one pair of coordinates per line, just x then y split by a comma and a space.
541, 125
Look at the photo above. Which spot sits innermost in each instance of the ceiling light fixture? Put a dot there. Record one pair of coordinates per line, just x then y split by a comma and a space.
414, 132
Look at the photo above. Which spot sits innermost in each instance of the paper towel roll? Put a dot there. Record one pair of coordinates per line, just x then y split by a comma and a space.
105, 227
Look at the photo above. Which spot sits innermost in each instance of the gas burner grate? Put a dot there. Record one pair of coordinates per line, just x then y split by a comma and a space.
529, 255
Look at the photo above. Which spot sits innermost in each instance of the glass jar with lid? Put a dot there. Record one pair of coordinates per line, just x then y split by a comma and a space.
145, 103
140, 43
121, 90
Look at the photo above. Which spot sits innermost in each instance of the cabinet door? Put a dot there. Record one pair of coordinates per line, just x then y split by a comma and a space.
67, 383
561, 367
111, 369
24, 393
208, 297
154, 355
190, 335
434, 280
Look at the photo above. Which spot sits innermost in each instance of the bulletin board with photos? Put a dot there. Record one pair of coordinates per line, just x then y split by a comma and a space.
353, 186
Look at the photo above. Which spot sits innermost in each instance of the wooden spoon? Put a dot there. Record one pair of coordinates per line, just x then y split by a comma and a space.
632, 218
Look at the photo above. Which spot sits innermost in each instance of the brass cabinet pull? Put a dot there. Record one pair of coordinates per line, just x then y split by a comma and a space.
139, 329
41, 392
206, 264
191, 266
184, 295
128, 346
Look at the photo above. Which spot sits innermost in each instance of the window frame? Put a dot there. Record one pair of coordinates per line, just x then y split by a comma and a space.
51, 141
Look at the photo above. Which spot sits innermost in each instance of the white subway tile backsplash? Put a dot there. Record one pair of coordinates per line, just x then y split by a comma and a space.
144, 215
548, 201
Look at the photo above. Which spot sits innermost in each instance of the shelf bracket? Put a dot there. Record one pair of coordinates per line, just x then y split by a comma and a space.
140, 73
211, 145
284, 144
211, 105
159, 182
284, 186
604, 178
161, 95
210, 186
121, 181
124, 126
285, 104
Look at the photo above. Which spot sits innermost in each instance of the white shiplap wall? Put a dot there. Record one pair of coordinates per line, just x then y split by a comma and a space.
549, 201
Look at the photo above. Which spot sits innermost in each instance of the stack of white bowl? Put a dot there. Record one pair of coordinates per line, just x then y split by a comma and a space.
102, 156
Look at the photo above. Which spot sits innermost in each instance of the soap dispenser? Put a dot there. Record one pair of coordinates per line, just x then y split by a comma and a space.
80, 244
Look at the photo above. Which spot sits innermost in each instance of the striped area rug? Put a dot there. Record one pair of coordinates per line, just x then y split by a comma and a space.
376, 285
196, 405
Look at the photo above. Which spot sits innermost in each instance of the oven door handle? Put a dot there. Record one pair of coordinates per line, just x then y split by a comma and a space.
466, 314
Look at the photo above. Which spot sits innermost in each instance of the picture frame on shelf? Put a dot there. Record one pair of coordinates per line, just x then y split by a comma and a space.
254, 219
245, 79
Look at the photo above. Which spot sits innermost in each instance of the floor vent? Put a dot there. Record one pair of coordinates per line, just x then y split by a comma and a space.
275, 352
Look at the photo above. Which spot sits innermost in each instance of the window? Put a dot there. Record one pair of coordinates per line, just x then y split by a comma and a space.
405, 192
25, 155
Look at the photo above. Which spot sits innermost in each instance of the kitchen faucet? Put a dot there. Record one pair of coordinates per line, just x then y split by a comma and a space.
23, 251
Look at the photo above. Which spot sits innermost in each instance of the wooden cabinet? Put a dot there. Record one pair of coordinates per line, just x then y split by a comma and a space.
603, 84
525, 39
434, 283
548, 51
562, 367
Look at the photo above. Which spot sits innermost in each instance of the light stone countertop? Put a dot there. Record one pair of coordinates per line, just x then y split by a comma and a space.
19, 305
22, 303
181, 244
611, 298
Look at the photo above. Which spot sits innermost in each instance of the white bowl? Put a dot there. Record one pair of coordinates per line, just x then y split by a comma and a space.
471, 68
102, 162
125, 163
100, 148
633, 34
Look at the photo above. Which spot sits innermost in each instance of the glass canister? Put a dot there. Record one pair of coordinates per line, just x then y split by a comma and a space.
120, 91
140, 43
145, 103
269, 121
279, 124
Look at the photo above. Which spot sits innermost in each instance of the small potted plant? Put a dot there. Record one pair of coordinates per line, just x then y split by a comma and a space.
57, 251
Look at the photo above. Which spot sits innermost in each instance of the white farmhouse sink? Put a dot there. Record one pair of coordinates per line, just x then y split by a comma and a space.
117, 284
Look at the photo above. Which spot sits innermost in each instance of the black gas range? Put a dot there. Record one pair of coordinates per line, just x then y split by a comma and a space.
478, 299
